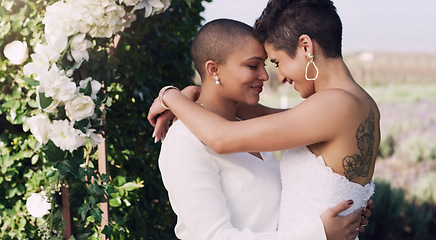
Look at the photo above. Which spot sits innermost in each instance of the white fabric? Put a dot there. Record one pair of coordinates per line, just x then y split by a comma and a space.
318, 186
229, 196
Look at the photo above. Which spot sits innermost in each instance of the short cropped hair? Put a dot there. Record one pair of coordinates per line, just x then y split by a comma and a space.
216, 40
283, 21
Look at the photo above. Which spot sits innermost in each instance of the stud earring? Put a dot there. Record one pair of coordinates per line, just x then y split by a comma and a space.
310, 58
217, 80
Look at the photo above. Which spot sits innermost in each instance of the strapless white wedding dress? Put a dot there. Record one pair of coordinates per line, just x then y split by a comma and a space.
309, 187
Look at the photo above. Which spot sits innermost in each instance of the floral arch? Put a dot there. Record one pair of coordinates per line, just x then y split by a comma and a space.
85, 54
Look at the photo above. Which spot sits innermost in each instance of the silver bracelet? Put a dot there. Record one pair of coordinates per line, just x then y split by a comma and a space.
161, 93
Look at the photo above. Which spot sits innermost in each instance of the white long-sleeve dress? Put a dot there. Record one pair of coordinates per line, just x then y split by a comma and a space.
225, 196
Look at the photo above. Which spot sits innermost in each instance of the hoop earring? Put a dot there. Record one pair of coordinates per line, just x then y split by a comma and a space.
310, 58
217, 80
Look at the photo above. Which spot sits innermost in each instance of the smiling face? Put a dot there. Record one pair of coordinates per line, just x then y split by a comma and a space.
291, 70
243, 74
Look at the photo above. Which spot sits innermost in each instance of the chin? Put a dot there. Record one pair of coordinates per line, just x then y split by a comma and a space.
252, 101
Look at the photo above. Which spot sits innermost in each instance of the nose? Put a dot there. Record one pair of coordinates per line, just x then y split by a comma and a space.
263, 75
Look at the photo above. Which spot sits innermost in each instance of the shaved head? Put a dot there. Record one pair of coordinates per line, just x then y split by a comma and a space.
216, 40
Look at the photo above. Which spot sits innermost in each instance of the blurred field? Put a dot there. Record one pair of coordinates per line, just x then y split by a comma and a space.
404, 86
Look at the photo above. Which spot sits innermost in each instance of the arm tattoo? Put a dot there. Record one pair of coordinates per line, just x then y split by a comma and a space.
358, 165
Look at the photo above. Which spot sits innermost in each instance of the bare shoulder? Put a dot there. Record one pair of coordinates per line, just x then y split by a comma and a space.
337, 102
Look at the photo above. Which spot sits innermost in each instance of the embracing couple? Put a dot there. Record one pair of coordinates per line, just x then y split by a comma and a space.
216, 161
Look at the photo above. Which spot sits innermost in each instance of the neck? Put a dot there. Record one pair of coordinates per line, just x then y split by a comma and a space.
333, 73
215, 103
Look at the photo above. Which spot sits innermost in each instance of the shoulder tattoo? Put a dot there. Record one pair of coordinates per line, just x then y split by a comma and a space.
358, 165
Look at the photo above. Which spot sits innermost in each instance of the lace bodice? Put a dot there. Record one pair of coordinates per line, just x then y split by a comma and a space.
310, 187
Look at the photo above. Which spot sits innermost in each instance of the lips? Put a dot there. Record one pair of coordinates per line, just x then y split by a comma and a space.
257, 88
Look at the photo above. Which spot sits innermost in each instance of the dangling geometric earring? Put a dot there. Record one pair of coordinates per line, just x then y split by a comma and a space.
310, 58
217, 80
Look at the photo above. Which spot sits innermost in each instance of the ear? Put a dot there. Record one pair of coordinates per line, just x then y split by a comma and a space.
305, 43
211, 68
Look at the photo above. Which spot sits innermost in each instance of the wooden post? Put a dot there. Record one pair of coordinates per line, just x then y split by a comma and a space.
66, 212
102, 169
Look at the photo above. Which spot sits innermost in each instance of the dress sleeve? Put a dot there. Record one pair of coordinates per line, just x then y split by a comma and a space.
191, 177
192, 180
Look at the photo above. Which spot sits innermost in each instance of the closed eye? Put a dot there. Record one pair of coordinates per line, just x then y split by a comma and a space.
275, 62
252, 67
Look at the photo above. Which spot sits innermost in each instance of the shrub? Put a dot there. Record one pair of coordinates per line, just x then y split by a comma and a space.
393, 217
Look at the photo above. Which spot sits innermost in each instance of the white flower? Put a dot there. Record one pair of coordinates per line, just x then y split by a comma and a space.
98, 18
65, 136
16, 52
95, 86
38, 205
153, 6
79, 46
43, 56
55, 84
79, 107
94, 138
39, 126
129, 2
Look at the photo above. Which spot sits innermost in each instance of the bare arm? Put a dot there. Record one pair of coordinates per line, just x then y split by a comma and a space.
246, 111
314, 120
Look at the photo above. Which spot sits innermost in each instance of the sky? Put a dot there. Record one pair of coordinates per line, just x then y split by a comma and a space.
406, 26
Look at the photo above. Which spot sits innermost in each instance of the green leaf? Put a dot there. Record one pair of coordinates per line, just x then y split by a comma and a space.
96, 213
107, 230
189, 2
68, 166
44, 101
105, 177
94, 189
88, 89
115, 202
83, 210
32, 82
82, 125
53, 153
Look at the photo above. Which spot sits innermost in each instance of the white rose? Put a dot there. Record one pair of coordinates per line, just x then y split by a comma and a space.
39, 126
79, 107
37, 204
16, 52
65, 136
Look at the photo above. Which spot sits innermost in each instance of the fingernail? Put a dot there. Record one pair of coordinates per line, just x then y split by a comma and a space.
350, 202
155, 140
152, 135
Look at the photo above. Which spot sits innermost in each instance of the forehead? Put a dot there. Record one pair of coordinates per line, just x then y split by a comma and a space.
273, 53
270, 50
250, 48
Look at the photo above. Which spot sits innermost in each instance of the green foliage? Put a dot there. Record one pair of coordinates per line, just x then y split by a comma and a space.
152, 53
20, 162
393, 217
